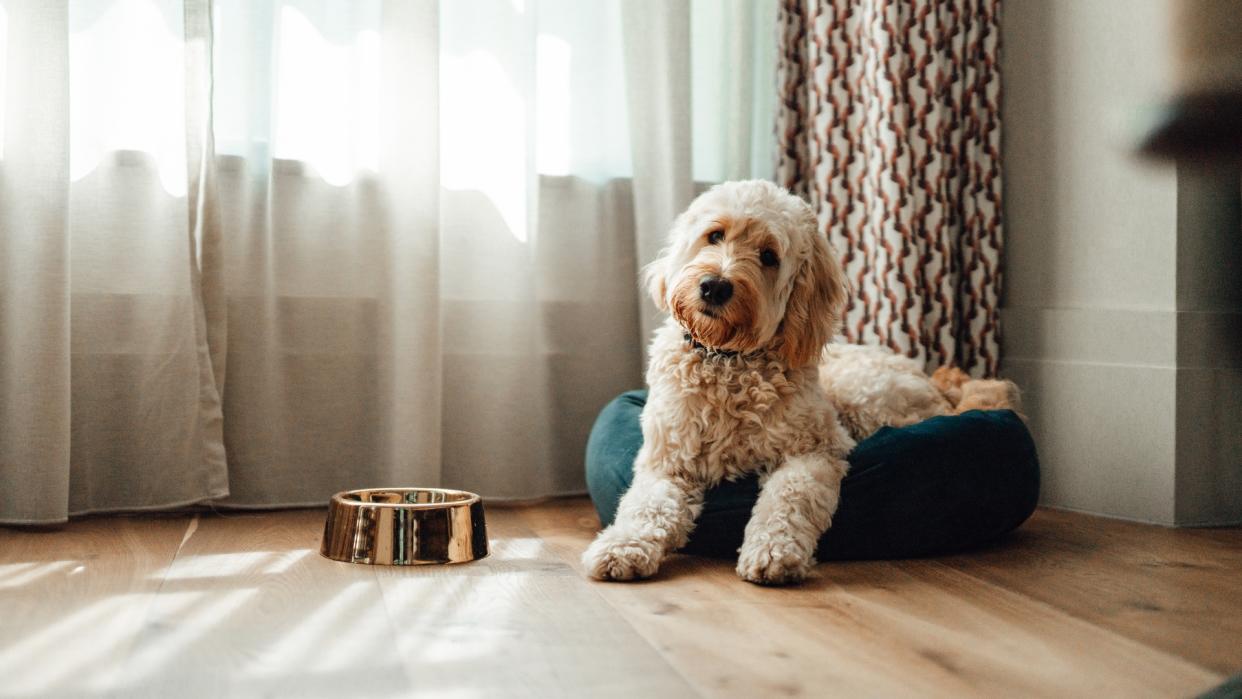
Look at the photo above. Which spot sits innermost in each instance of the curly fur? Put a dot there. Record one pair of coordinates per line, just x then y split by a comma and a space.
747, 392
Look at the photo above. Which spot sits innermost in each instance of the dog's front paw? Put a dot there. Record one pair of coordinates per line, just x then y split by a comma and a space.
614, 556
774, 561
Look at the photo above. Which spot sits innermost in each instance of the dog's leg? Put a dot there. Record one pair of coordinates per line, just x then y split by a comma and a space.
794, 509
990, 394
655, 516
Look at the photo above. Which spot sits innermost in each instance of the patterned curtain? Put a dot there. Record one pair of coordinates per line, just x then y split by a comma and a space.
889, 124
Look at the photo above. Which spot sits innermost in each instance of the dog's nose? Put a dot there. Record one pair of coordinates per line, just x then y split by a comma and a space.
715, 290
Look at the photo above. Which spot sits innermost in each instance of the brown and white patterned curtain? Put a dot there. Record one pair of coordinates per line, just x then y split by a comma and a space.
889, 124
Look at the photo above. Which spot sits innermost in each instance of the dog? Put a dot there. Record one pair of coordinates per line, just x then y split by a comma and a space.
754, 294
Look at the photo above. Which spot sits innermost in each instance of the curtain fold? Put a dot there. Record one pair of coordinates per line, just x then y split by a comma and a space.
330, 268
35, 362
253, 253
657, 66
889, 124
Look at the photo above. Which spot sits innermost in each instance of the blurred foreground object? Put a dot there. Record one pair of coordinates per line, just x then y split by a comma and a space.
1204, 118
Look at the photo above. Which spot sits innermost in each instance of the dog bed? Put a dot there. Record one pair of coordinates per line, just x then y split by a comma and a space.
945, 484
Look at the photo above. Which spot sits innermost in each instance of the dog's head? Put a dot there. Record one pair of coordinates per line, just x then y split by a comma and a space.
746, 269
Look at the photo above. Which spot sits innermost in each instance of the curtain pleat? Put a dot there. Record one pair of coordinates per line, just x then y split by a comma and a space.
35, 363
658, 64
332, 284
204, 244
889, 124
109, 396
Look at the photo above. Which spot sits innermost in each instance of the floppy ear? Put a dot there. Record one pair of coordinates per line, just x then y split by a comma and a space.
654, 281
655, 274
815, 305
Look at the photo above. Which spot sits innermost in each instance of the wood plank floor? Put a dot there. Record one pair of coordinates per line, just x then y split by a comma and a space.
242, 605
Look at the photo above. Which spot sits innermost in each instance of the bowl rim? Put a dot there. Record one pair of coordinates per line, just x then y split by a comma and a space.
470, 499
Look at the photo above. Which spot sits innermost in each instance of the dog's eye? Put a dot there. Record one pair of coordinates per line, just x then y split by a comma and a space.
769, 258
715, 237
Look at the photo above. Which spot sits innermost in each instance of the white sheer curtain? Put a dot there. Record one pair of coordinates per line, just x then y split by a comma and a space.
254, 252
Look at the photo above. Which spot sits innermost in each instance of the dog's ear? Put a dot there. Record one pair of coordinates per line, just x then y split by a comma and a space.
654, 279
815, 305
655, 274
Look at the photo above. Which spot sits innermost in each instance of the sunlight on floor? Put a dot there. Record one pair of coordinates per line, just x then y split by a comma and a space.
342, 632
76, 640
181, 619
518, 548
19, 574
244, 605
457, 616
220, 565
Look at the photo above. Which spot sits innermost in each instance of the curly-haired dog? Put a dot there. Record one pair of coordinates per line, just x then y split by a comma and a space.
754, 292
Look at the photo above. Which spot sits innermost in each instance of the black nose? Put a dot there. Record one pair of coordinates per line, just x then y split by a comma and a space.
715, 290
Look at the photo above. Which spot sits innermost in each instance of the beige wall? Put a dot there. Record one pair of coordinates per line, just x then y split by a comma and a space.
1093, 301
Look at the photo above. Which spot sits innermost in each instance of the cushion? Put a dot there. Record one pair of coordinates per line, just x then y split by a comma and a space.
946, 484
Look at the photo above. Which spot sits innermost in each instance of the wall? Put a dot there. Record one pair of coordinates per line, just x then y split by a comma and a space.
1209, 347
1105, 326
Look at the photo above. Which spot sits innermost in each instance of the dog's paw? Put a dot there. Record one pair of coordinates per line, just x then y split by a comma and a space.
948, 380
990, 394
776, 561
617, 557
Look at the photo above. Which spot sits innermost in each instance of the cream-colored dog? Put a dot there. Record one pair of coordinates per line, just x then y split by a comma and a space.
755, 293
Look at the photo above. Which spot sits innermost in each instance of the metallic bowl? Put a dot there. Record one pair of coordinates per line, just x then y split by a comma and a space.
404, 527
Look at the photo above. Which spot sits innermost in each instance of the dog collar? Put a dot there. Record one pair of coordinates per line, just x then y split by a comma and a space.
714, 352
705, 350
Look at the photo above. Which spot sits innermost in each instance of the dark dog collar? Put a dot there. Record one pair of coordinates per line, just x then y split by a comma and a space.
707, 351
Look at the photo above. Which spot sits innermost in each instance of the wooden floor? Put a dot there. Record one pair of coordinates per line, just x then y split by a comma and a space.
242, 605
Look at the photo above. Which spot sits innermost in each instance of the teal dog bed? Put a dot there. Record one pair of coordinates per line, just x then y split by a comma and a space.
946, 484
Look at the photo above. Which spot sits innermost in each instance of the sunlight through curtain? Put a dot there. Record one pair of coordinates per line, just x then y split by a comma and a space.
252, 253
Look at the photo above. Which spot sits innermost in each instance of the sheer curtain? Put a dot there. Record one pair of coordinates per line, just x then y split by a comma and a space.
252, 253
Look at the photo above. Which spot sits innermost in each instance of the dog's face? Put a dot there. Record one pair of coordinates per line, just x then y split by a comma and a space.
746, 269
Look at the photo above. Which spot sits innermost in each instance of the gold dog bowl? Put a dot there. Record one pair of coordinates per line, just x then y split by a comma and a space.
404, 527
